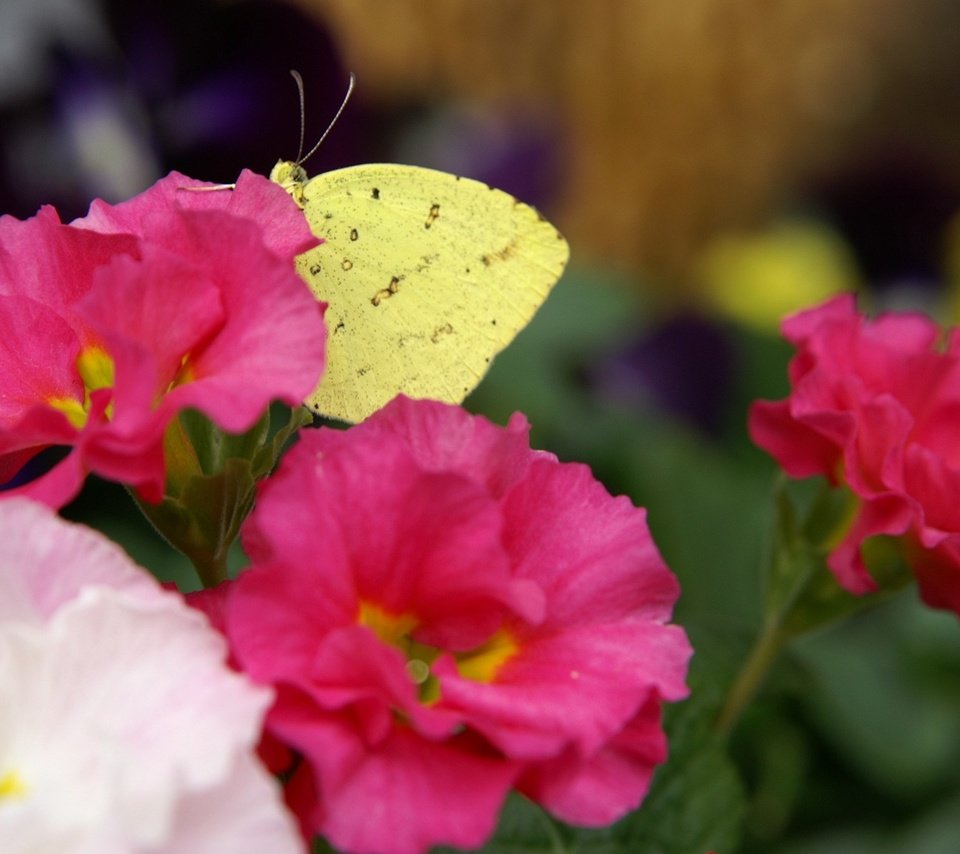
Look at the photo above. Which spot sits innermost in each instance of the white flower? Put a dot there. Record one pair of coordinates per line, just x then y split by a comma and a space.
121, 727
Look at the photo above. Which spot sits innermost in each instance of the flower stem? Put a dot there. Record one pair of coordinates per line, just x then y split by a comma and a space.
212, 571
557, 845
765, 651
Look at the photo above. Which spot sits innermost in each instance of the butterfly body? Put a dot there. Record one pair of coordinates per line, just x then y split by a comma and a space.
427, 276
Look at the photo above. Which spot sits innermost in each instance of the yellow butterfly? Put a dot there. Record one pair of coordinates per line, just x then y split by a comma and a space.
427, 275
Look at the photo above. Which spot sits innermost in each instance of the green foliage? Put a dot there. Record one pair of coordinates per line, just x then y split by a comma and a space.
802, 594
212, 492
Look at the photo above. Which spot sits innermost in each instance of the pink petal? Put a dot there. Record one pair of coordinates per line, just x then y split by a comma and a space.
272, 343
886, 514
602, 788
38, 358
34, 583
54, 264
406, 795
255, 198
938, 574
413, 542
592, 554
447, 438
802, 452
579, 686
150, 313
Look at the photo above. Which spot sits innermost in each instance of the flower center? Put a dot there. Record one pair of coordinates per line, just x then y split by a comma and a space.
185, 373
483, 663
394, 630
12, 786
480, 664
96, 369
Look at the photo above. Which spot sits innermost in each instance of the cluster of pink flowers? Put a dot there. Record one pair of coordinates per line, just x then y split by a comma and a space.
435, 613
446, 615
874, 406
114, 323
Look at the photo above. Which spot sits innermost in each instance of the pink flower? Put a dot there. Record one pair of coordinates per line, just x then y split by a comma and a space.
446, 615
113, 324
874, 405
121, 727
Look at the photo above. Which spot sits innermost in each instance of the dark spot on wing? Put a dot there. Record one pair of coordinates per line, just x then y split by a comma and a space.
376, 193
347, 264
426, 261
504, 254
433, 215
354, 234
440, 331
387, 292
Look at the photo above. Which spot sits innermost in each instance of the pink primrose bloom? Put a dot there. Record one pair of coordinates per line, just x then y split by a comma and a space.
447, 614
122, 729
874, 405
114, 323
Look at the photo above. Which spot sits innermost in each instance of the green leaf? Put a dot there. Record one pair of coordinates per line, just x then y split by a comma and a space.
523, 828
802, 593
696, 806
887, 689
213, 447
288, 422
696, 803
933, 832
204, 520
215, 484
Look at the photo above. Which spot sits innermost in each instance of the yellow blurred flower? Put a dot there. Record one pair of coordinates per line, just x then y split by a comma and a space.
756, 279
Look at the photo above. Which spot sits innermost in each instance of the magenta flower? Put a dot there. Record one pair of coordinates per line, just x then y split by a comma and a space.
447, 614
114, 323
874, 406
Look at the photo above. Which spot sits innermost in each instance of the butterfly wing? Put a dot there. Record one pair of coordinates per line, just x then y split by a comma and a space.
427, 275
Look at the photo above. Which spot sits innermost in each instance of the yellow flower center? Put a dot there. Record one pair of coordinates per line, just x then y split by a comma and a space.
480, 664
483, 663
96, 369
75, 411
392, 629
12, 786
185, 374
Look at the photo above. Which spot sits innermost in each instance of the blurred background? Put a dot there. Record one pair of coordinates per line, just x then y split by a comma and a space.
714, 164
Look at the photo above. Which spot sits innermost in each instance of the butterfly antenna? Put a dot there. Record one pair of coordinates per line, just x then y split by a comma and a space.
303, 115
301, 160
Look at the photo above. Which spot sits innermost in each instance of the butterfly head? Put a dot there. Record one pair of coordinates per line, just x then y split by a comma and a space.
291, 176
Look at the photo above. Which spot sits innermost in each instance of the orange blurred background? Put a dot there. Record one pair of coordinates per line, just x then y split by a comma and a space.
680, 121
